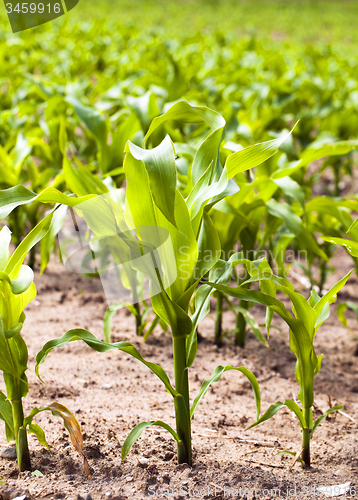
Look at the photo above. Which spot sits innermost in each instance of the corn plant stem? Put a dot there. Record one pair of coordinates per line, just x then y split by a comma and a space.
306, 439
182, 403
218, 319
22, 448
240, 328
248, 245
32, 258
138, 318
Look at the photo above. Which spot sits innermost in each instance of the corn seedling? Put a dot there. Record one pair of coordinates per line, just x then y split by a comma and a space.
17, 290
308, 316
156, 211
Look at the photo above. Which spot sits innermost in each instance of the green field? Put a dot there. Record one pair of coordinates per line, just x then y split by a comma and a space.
197, 123
305, 21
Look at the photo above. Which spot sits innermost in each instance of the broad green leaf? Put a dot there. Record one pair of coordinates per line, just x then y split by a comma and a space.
253, 155
184, 112
295, 225
350, 245
336, 149
331, 295
291, 188
15, 262
92, 119
20, 195
147, 214
99, 346
80, 180
23, 281
160, 166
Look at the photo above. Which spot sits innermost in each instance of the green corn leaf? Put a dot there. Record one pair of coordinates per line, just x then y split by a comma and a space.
137, 431
291, 188
15, 262
253, 155
99, 346
39, 433
272, 410
23, 281
341, 309
5, 239
147, 214
184, 112
92, 119
215, 377
251, 323
330, 297
80, 180
48, 241
336, 149
145, 107
220, 273
293, 406
156, 321
179, 321
301, 342
350, 245
253, 296
160, 166
322, 417
20, 195
6, 416
7, 364
14, 330
208, 246
295, 225
107, 320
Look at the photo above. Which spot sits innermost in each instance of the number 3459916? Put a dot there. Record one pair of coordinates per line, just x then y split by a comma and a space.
33, 8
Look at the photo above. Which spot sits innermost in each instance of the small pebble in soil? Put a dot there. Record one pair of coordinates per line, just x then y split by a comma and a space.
143, 461
87, 496
8, 453
107, 386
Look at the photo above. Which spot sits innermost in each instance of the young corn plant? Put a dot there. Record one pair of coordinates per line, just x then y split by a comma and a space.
308, 316
156, 212
17, 290
239, 218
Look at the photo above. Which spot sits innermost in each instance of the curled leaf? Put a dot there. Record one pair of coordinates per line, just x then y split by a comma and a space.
74, 429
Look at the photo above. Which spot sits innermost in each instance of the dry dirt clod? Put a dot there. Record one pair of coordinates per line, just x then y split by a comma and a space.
8, 453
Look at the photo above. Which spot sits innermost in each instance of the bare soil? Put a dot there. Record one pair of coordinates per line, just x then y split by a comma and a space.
110, 393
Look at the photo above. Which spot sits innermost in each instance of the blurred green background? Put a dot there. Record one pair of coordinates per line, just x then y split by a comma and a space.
290, 20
